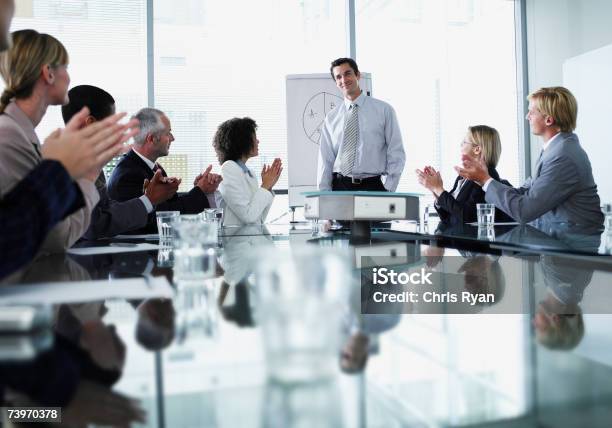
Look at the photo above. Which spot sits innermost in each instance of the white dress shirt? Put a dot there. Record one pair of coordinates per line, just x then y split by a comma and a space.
379, 151
244, 201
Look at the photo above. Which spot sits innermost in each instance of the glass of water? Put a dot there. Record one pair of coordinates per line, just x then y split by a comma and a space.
485, 214
607, 210
214, 215
165, 220
431, 218
194, 248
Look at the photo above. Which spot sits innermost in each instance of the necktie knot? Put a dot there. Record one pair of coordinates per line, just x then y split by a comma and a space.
157, 167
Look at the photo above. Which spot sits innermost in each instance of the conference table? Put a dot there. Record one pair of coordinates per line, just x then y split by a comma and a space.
197, 359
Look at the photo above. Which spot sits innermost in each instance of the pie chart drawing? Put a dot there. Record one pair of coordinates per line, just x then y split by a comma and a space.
315, 111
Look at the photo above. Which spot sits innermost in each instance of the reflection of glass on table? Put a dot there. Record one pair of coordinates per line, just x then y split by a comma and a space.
300, 295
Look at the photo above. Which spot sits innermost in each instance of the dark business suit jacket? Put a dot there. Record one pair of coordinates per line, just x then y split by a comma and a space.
110, 218
463, 208
28, 212
126, 183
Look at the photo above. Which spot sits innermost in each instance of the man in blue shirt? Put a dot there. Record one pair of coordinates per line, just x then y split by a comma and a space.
360, 138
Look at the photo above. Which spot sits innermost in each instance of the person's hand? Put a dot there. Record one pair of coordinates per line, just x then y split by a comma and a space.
473, 169
431, 180
208, 181
98, 405
158, 189
198, 178
270, 174
103, 345
433, 255
85, 150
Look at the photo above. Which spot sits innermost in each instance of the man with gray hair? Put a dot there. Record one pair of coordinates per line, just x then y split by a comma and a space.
137, 167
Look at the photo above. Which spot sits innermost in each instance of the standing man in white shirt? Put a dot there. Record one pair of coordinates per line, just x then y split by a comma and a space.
360, 138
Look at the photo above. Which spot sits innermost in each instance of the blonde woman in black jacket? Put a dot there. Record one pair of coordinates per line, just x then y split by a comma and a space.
458, 205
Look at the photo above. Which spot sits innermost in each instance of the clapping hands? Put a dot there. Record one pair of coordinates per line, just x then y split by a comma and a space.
84, 150
160, 188
208, 182
473, 169
431, 180
270, 174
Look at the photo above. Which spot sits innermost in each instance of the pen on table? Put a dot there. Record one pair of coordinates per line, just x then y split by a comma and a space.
123, 244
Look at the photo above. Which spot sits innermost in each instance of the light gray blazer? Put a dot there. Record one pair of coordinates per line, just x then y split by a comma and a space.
110, 218
19, 154
562, 189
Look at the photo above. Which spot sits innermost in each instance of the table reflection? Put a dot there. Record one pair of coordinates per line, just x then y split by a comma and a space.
198, 359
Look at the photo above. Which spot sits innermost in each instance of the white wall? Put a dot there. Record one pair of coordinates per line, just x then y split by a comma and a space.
558, 30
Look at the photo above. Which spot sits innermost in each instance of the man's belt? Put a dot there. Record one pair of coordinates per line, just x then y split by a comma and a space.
353, 180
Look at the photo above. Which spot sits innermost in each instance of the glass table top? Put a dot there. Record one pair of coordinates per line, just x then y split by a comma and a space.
536, 237
541, 355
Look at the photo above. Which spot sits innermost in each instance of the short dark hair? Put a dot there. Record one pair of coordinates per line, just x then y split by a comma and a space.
340, 61
234, 138
99, 102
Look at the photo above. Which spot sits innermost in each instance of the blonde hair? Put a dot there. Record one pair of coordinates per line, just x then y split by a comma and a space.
558, 103
488, 140
20, 66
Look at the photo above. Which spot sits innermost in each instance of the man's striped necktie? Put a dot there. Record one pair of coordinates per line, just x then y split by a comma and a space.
349, 146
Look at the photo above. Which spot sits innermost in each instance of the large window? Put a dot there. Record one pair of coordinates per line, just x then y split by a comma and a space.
106, 43
443, 65
215, 60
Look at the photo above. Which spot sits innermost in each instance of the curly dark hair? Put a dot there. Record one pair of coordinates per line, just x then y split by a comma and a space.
234, 138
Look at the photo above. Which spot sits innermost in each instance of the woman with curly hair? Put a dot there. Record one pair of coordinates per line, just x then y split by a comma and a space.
245, 201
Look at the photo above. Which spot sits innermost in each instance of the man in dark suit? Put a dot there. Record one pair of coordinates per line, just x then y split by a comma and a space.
139, 164
110, 218
562, 188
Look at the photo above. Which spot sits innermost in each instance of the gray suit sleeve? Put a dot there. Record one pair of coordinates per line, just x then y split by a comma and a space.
326, 159
110, 218
558, 179
66, 233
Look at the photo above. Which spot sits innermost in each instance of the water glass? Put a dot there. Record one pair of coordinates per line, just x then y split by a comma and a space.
300, 296
194, 248
314, 226
214, 214
607, 210
164, 224
485, 214
431, 218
